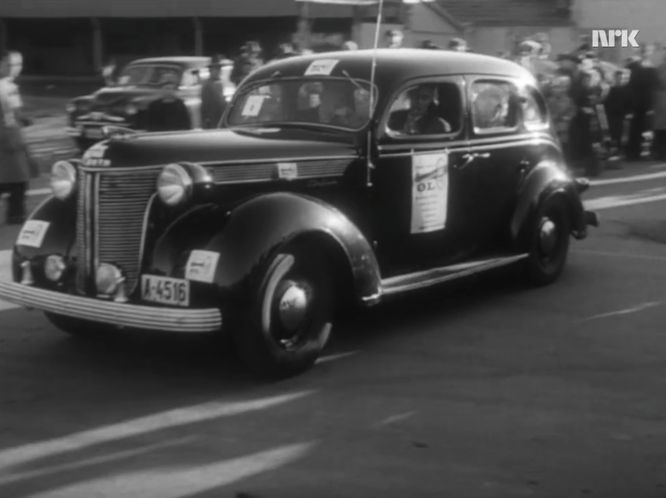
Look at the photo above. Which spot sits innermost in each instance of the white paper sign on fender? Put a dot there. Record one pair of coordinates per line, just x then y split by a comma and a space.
201, 266
430, 192
32, 233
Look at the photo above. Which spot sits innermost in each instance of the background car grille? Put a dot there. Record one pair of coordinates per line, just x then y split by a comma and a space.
119, 201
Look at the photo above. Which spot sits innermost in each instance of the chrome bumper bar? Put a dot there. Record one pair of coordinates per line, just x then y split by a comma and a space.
119, 314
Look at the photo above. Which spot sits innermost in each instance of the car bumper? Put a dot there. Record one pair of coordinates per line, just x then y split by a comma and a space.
185, 320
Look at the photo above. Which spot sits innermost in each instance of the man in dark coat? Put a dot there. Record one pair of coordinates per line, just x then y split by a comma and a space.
422, 117
213, 102
643, 83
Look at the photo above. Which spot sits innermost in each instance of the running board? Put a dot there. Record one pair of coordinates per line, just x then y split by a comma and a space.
428, 278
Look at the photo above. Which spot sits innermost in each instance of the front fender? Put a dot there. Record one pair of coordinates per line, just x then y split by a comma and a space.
545, 180
247, 236
60, 234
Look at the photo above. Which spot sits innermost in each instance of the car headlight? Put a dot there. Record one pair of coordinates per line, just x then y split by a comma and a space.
71, 108
174, 185
63, 180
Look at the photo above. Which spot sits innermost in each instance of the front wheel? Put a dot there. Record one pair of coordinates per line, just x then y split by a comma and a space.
549, 242
287, 320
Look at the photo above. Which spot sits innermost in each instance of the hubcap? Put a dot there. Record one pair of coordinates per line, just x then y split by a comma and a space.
292, 306
548, 236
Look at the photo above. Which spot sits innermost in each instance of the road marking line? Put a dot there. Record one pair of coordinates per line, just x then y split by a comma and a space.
626, 311
394, 419
619, 255
178, 417
614, 202
628, 179
335, 357
178, 479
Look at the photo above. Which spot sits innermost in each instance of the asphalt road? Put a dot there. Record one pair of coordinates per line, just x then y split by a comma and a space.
485, 389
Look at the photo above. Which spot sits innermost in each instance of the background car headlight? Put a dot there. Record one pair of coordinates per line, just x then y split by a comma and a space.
63, 179
71, 108
174, 185
131, 109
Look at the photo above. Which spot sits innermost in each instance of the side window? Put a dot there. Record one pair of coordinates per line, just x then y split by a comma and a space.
190, 78
535, 114
426, 109
495, 106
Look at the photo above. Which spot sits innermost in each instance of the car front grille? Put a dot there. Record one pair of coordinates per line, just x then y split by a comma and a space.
112, 211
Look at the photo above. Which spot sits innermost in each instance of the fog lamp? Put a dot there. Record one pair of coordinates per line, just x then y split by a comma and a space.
54, 267
174, 185
107, 279
63, 179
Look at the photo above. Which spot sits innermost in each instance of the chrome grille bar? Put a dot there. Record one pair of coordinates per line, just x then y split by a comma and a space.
84, 248
122, 199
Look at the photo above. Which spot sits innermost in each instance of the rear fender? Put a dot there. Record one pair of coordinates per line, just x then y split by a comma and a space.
245, 238
547, 179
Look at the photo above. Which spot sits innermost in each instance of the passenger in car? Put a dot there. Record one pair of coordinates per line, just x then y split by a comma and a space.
422, 118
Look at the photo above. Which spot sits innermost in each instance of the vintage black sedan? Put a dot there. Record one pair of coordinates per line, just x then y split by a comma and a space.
156, 94
323, 190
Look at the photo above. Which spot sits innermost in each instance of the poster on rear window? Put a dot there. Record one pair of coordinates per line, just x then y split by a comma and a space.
430, 192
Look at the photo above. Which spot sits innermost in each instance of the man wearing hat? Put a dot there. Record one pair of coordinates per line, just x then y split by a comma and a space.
394, 38
213, 102
458, 45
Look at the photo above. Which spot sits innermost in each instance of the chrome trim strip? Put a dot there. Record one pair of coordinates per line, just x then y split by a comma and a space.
222, 163
427, 278
142, 245
454, 144
95, 189
118, 314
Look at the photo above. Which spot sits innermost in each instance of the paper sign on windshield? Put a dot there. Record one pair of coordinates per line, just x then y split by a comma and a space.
253, 105
430, 192
322, 67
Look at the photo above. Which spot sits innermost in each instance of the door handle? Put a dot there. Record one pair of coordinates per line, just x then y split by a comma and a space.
471, 156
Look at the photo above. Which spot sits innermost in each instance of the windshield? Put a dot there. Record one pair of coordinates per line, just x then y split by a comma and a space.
337, 102
150, 75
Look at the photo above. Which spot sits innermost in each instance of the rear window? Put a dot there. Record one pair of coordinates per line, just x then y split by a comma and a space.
495, 106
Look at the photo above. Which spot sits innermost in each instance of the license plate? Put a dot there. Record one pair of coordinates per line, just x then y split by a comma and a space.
164, 290
93, 133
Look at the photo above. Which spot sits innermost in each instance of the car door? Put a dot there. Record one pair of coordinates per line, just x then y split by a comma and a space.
419, 201
501, 151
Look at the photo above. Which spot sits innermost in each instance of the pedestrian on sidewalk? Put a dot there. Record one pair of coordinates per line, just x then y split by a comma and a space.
659, 144
643, 85
15, 164
618, 106
213, 102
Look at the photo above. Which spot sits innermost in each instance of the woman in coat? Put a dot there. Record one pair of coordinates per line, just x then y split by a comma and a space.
14, 160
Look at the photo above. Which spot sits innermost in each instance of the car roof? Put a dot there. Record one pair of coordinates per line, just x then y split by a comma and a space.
189, 61
396, 65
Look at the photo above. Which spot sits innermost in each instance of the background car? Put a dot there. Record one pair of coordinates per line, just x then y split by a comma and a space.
156, 94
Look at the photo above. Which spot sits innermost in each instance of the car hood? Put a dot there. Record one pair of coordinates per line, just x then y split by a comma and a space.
221, 146
120, 95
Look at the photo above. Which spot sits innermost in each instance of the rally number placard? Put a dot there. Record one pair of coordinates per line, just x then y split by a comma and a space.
430, 192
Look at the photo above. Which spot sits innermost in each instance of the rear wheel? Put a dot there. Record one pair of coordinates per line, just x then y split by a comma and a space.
549, 242
288, 318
